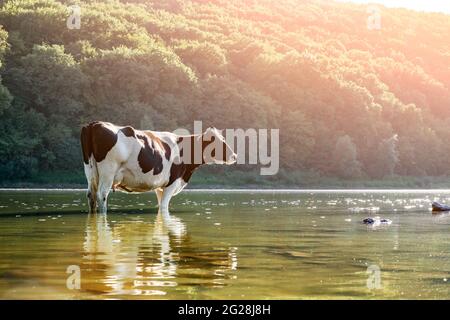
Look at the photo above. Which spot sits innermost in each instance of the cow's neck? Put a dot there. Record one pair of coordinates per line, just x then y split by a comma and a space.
185, 169
195, 141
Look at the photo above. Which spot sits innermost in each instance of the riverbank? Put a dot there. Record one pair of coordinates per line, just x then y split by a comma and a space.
225, 178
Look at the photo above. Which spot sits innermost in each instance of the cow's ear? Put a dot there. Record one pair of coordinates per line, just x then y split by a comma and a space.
213, 131
209, 132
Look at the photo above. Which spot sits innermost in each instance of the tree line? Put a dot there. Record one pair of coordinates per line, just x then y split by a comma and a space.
350, 101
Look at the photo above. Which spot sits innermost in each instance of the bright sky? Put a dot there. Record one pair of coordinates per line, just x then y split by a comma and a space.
420, 5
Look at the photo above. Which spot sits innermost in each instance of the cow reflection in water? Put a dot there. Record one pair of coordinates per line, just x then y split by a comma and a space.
138, 257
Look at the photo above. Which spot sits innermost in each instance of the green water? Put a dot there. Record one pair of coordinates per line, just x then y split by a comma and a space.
221, 245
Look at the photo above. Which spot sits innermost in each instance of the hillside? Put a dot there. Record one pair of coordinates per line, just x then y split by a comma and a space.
351, 103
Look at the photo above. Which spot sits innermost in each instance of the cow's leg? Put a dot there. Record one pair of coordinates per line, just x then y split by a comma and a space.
159, 193
167, 194
106, 174
92, 188
104, 187
92, 200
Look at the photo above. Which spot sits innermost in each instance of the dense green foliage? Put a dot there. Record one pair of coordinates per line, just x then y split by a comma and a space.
350, 102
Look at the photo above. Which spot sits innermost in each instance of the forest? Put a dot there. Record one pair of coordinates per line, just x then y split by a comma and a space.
352, 103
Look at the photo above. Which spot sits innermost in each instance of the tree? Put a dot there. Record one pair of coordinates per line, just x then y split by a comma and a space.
20, 130
386, 158
296, 139
345, 158
125, 85
42, 73
5, 96
50, 83
3, 43
203, 57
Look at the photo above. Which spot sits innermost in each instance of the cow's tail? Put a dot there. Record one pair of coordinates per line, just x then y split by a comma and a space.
88, 157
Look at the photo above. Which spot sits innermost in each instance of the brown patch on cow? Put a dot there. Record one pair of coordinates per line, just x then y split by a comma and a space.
103, 140
128, 131
86, 146
181, 170
150, 156
97, 139
164, 146
185, 170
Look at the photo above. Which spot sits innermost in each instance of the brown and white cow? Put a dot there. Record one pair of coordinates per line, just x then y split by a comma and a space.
133, 160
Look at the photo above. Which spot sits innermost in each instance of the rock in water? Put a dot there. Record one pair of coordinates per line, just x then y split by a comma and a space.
440, 207
368, 221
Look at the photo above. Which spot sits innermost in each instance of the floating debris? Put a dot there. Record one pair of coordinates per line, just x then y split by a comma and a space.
376, 221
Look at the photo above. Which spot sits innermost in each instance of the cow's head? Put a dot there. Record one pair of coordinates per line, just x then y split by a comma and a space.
215, 148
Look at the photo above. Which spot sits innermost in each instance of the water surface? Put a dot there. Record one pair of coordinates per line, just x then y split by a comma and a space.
226, 245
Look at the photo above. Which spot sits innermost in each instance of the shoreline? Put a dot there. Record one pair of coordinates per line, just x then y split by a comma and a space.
254, 190
246, 181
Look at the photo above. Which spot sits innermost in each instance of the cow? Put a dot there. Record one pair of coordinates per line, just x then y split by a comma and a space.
130, 160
